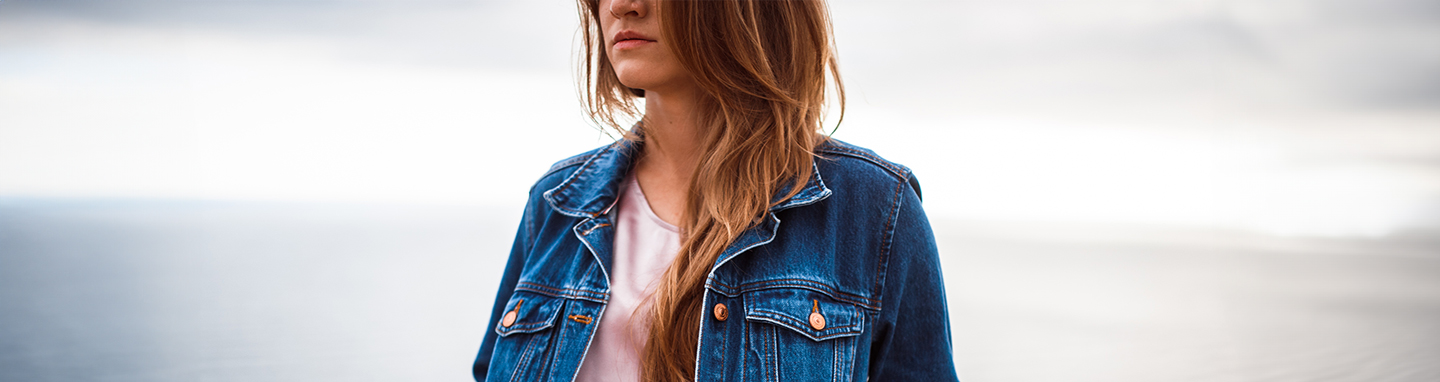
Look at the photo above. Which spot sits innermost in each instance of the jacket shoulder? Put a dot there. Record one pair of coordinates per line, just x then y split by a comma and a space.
851, 156
563, 168
862, 164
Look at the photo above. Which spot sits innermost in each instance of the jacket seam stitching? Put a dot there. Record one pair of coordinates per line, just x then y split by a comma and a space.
800, 281
745, 343
525, 325
891, 167
562, 295
559, 292
887, 240
773, 315
578, 159
524, 360
560, 340
834, 361
867, 301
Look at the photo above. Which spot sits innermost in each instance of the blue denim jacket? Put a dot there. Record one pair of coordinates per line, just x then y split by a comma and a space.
840, 282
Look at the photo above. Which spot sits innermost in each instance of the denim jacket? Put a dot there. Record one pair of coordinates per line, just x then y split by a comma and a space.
839, 282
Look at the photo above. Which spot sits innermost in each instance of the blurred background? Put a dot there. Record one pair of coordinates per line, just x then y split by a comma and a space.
1122, 190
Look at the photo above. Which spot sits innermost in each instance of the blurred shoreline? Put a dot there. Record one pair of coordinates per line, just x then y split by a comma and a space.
159, 290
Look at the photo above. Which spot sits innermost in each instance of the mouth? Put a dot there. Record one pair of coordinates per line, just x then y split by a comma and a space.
627, 39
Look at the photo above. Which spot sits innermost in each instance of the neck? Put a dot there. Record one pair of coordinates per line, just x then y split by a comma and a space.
673, 144
672, 133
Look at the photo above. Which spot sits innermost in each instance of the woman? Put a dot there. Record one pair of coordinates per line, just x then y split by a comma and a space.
725, 238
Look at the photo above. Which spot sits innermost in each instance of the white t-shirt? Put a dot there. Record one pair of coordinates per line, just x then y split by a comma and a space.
644, 246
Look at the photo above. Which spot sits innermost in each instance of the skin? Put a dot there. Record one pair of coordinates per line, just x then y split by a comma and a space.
672, 143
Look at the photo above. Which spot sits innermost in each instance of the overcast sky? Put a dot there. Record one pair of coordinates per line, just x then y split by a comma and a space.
1287, 117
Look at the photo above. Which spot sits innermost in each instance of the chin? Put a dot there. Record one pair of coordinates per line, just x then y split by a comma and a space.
636, 84
645, 76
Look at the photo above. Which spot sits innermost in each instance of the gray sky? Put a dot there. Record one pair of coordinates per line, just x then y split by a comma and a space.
1286, 117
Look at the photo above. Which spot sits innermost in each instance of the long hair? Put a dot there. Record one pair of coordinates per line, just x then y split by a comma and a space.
762, 66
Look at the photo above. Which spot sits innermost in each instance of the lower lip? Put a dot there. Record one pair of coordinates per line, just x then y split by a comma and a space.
627, 44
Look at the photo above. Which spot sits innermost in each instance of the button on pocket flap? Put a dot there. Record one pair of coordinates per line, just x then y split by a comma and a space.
805, 311
528, 312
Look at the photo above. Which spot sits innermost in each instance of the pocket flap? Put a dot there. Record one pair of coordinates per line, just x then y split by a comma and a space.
531, 311
805, 311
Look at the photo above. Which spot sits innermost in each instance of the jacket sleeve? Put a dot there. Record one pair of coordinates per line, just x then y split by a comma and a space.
513, 266
912, 337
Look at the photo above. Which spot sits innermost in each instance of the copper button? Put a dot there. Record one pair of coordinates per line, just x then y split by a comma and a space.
817, 321
509, 319
721, 312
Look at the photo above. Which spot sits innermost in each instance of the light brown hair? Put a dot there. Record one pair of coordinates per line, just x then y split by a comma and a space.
762, 66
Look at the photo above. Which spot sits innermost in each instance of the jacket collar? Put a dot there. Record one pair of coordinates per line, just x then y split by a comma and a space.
591, 189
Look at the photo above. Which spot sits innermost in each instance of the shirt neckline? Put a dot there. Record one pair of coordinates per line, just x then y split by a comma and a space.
632, 188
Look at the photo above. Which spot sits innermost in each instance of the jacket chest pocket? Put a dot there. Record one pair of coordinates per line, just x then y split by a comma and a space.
794, 334
526, 340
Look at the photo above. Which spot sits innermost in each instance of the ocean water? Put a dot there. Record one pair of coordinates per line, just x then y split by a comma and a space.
210, 291
1068, 303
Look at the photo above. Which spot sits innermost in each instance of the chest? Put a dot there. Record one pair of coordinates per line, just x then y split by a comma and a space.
784, 303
